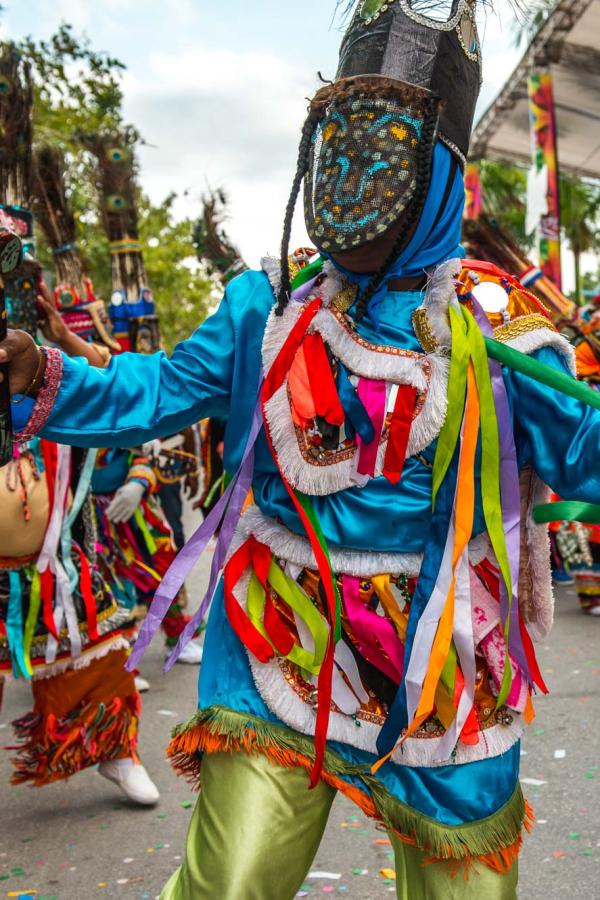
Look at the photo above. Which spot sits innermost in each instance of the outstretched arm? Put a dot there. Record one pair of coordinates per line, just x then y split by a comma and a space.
138, 397
560, 436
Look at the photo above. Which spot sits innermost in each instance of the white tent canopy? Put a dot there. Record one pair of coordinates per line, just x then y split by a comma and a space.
568, 44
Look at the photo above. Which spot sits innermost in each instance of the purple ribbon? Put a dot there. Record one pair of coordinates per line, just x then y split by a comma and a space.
301, 293
226, 513
511, 497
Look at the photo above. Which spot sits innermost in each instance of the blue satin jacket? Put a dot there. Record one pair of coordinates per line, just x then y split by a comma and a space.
216, 373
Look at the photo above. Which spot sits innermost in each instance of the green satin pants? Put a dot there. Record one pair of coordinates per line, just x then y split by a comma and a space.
256, 829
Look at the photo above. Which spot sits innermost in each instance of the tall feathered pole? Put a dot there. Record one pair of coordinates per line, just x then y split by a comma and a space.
10, 259
211, 241
16, 98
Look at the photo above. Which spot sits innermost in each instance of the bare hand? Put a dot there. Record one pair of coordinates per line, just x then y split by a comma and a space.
51, 322
23, 355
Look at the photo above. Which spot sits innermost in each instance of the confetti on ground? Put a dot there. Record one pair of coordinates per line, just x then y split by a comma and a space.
328, 876
588, 853
558, 854
560, 754
167, 712
360, 871
574, 836
388, 873
382, 842
533, 782
187, 804
538, 732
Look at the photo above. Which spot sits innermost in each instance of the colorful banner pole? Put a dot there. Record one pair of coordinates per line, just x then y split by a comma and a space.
544, 153
473, 202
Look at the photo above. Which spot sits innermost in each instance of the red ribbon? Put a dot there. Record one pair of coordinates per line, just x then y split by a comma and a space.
322, 383
239, 621
399, 433
273, 380
47, 592
89, 601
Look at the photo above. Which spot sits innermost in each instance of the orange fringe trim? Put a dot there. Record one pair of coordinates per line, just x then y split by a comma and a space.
183, 752
52, 749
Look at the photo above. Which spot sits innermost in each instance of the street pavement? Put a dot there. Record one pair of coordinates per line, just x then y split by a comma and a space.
80, 840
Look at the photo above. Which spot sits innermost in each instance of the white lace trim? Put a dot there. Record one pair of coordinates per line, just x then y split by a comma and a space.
287, 705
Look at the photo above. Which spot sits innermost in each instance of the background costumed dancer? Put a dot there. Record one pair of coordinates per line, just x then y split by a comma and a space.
136, 541
59, 621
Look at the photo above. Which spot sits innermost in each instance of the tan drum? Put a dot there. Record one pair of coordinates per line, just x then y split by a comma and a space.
21, 538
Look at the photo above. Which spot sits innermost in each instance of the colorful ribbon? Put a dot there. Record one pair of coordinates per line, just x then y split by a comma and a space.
14, 626
373, 395
225, 514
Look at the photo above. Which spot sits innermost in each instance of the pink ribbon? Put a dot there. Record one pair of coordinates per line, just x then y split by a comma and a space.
376, 637
374, 397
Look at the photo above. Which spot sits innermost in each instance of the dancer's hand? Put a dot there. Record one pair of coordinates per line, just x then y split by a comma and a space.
125, 502
23, 355
51, 322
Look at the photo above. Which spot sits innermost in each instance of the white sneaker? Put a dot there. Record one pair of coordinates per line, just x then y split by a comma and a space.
141, 685
191, 654
133, 780
594, 611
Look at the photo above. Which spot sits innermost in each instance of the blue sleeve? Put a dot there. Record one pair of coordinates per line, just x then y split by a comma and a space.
137, 398
559, 435
20, 413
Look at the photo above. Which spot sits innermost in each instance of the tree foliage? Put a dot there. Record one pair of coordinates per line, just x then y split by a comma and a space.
77, 91
580, 222
504, 189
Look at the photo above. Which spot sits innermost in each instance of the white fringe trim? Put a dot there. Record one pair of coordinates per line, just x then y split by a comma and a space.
537, 540
296, 549
539, 338
81, 662
428, 373
286, 704
440, 293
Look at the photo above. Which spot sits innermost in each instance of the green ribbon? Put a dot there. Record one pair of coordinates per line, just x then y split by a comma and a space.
567, 511
298, 601
542, 372
457, 392
14, 624
143, 526
490, 477
310, 271
35, 599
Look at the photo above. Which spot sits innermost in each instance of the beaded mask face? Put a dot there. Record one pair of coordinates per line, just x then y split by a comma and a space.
366, 162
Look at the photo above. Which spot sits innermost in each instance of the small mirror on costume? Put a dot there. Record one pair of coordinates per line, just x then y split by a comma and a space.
117, 298
491, 296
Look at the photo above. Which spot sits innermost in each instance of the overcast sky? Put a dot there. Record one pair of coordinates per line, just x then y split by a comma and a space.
218, 91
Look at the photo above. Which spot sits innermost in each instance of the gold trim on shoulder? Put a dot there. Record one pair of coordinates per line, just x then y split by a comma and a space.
344, 299
424, 331
522, 325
